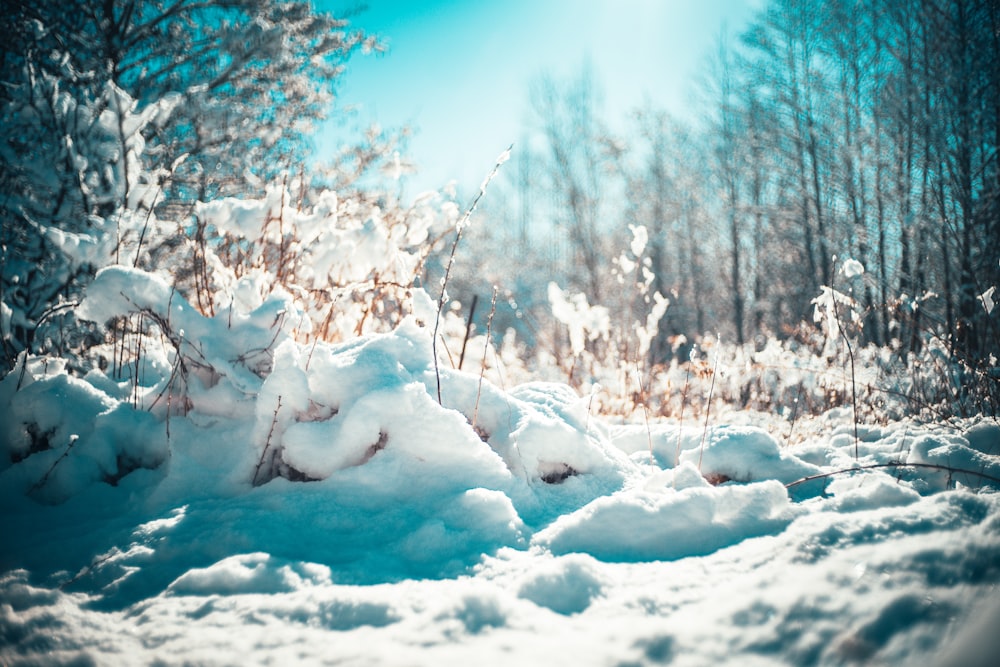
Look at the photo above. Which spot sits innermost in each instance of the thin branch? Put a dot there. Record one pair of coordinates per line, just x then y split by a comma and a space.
468, 328
708, 402
267, 445
451, 260
854, 386
486, 349
895, 464
45, 478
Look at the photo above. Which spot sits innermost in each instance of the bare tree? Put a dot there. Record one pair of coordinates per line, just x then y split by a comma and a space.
579, 161
729, 166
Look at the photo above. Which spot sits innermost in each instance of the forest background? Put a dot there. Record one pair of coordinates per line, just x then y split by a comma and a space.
844, 167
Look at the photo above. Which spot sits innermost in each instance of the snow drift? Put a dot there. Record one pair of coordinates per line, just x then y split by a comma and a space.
321, 491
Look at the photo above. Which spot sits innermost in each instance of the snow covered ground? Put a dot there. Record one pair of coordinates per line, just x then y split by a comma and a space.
323, 508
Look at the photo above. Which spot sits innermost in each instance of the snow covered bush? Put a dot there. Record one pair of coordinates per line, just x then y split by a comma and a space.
82, 200
822, 367
610, 346
65, 433
352, 264
117, 113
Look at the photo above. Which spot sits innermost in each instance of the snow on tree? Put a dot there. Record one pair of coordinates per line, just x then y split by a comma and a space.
111, 111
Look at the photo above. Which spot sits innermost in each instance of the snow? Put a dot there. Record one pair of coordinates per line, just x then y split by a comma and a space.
986, 298
640, 236
241, 492
543, 534
851, 268
647, 526
585, 322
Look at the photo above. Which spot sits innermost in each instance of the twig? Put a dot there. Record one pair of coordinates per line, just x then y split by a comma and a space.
854, 386
40, 483
680, 418
795, 412
137, 362
645, 414
894, 464
267, 444
468, 329
451, 260
594, 388
8, 347
46, 314
178, 366
22, 356
486, 349
145, 227
708, 403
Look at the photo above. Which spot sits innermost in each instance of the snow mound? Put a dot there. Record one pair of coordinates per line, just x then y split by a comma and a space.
366, 404
870, 491
243, 473
567, 585
639, 524
250, 573
984, 437
63, 434
958, 459
746, 454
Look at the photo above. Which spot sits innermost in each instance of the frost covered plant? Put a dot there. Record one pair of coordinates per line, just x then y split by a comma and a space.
830, 309
459, 228
585, 323
645, 309
350, 264
82, 200
633, 270
612, 345
827, 312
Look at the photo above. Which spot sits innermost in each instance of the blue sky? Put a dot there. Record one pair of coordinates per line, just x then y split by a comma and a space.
458, 71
